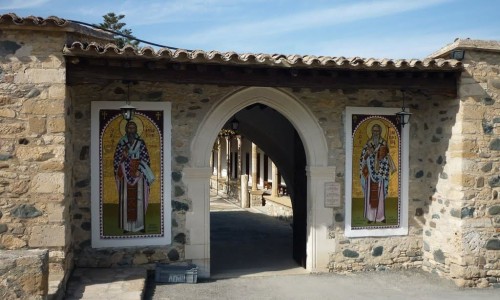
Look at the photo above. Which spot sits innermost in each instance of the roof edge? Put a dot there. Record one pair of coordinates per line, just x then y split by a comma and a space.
52, 23
248, 59
467, 44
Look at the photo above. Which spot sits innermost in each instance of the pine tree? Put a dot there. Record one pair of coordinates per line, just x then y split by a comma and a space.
112, 22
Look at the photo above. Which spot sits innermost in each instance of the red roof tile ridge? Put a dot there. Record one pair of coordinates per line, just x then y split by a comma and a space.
33, 20
282, 60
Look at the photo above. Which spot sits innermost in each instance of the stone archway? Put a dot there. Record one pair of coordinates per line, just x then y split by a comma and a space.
318, 172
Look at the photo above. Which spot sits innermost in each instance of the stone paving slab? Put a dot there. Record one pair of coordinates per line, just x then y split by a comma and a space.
104, 283
384, 285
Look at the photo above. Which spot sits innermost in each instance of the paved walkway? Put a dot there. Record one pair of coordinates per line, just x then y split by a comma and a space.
388, 285
100, 283
246, 242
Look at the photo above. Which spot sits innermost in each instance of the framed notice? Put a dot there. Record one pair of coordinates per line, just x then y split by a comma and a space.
332, 194
376, 173
130, 167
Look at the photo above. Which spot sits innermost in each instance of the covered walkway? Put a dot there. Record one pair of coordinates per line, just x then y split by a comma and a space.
247, 242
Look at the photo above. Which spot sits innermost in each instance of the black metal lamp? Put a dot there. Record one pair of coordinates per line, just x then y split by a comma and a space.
403, 116
235, 124
128, 110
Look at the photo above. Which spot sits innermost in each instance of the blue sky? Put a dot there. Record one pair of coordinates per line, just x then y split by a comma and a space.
366, 28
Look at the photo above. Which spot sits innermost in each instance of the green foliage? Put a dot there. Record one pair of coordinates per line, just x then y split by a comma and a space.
113, 22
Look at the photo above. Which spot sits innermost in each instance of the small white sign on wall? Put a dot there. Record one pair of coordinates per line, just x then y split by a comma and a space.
332, 194
130, 182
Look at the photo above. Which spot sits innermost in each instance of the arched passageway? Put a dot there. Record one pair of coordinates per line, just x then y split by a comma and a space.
317, 172
278, 142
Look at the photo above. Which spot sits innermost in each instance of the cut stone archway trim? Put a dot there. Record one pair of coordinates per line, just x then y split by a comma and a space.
198, 174
299, 115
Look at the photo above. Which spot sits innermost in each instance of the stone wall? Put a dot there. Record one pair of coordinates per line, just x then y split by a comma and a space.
189, 105
454, 206
461, 234
33, 141
24, 274
432, 115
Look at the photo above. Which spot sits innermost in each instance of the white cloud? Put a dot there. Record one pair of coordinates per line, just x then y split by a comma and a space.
311, 19
155, 12
21, 4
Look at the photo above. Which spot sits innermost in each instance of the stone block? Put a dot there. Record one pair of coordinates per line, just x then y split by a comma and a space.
41, 76
472, 112
7, 113
37, 125
140, 259
44, 183
14, 128
56, 125
5, 100
48, 236
37, 107
256, 198
493, 244
51, 166
7, 175
56, 212
29, 153
25, 211
494, 210
457, 271
350, 253
57, 91
495, 145
11, 242
24, 274
467, 90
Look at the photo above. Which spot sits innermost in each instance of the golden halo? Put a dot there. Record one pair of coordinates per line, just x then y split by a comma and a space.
136, 120
383, 127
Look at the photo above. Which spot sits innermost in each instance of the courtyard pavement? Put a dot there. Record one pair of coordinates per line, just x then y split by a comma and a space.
251, 259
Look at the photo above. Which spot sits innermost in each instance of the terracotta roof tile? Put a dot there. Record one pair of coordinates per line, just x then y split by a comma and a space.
279, 60
215, 57
12, 18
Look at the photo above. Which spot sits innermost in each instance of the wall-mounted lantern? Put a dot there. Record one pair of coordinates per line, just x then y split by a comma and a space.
403, 115
128, 110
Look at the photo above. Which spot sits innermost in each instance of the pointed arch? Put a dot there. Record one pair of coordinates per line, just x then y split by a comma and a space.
318, 172
299, 115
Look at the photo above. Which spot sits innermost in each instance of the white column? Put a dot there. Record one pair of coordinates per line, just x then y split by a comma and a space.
228, 163
319, 218
254, 167
245, 203
274, 174
198, 219
219, 157
240, 163
219, 162
228, 150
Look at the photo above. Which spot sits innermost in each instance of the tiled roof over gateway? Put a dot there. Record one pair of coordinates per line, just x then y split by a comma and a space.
92, 49
278, 60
